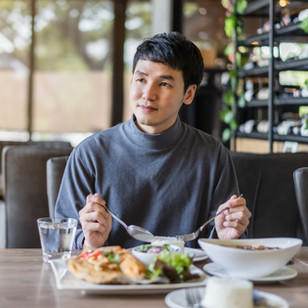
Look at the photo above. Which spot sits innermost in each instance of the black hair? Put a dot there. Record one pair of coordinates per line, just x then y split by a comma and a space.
176, 51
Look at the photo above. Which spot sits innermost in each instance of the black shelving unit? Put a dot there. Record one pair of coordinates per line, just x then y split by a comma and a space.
271, 11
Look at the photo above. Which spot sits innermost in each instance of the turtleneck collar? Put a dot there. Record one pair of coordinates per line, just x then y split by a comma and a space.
154, 141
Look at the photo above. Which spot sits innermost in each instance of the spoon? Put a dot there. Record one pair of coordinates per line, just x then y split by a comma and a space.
136, 232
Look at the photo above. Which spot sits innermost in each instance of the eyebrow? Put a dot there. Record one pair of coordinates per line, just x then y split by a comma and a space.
168, 77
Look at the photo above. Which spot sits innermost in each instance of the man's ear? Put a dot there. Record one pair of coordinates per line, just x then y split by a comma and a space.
190, 94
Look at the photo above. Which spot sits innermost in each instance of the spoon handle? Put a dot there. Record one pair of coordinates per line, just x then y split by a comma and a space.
115, 217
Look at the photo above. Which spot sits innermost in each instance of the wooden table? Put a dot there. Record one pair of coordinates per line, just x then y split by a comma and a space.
26, 281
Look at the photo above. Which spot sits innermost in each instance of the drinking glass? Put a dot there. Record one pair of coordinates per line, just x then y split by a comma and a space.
56, 236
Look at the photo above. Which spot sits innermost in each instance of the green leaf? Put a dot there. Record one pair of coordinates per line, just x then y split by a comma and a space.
243, 49
144, 247
179, 262
230, 24
303, 110
306, 83
233, 73
229, 49
240, 87
223, 113
304, 25
233, 124
225, 3
240, 6
233, 79
226, 116
112, 257
154, 272
242, 101
229, 98
226, 134
240, 59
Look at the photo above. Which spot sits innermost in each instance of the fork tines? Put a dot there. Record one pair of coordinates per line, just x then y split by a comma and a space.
193, 297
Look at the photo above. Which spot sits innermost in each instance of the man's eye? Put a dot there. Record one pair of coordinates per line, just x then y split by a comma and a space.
165, 84
140, 79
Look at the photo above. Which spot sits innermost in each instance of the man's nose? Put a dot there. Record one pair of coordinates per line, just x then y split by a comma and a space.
149, 92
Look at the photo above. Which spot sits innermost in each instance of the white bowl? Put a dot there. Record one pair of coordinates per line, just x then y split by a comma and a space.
147, 257
251, 264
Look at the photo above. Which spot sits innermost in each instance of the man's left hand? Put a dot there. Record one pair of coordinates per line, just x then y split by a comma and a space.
232, 223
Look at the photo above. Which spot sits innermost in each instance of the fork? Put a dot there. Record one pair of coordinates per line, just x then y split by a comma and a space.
192, 236
193, 298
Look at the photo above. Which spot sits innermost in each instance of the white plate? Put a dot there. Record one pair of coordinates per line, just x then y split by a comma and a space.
67, 281
284, 273
177, 299
198, 254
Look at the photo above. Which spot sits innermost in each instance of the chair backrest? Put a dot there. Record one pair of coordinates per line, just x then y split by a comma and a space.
300, 177
4, 143
25, 193
266, 180
54, 170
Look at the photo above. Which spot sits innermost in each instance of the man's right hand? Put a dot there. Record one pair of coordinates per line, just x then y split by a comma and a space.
96, 222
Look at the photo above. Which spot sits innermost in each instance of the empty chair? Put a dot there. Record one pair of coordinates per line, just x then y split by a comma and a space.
54, 171
300, 177
25, 193
4, 143
266, 180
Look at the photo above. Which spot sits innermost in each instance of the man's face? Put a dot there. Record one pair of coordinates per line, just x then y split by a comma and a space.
156, 95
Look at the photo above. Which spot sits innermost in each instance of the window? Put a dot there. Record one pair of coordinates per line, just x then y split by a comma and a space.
56, 65
72, 67
15, 39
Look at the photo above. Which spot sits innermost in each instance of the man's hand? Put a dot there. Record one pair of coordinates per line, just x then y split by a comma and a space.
96, 222
232, 223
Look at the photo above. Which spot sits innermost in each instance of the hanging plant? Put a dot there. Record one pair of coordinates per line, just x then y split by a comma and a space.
304, 25
233, 29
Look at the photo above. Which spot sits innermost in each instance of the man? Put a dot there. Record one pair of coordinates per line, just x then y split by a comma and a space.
153, 171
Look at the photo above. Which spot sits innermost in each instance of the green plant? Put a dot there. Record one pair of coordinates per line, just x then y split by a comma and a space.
304, 25
232, 21
234, 93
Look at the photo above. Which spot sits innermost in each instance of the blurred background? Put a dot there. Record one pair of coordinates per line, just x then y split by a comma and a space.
65, 65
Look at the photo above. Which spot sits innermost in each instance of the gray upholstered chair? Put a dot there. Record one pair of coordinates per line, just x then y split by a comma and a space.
300, 177
266, 180
54, 171
4, 143
25, 193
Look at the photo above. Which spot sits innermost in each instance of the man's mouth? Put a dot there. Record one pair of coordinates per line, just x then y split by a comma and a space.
147, 108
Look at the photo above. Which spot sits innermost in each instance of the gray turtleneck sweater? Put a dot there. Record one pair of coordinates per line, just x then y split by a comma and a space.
168, 183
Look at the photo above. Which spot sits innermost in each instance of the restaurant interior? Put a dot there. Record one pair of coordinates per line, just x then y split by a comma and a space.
65, 74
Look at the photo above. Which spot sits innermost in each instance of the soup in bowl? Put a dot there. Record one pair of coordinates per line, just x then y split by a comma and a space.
251, 258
